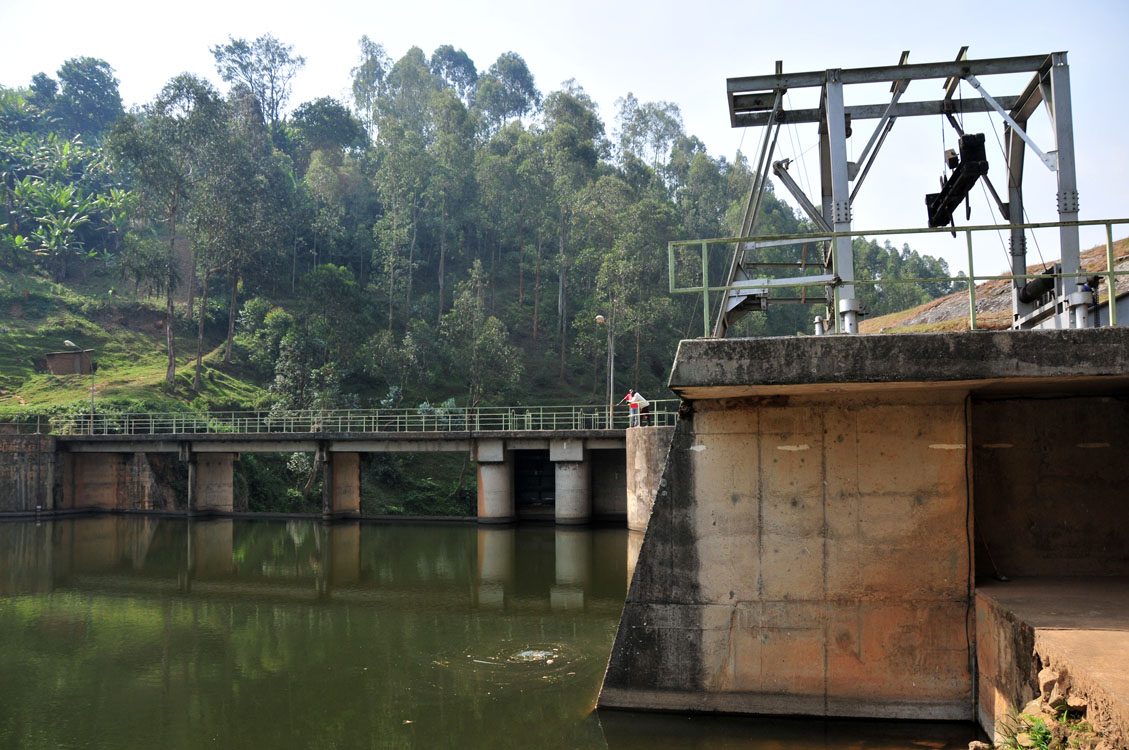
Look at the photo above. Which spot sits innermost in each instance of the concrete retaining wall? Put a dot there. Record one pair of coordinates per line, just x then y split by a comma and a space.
27, 472
807, 555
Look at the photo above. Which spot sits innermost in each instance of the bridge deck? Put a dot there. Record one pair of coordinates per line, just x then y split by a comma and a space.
338, 442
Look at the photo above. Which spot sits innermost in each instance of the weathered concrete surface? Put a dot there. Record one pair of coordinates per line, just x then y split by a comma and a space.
609, 484
646, 456
1050, 486
495, 487
726, 368
573, 499
1075, 630
211, 483
805, 556
27, 473
341, 487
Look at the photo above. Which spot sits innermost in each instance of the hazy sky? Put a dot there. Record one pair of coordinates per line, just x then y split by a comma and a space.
660, 50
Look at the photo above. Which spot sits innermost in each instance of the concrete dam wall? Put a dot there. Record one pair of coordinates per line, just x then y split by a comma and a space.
827, 503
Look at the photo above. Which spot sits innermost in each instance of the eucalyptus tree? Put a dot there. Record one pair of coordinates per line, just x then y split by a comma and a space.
407, 89
455, 70
239, 213
368, 82
648, 131
265, 66
507, 90
402, 176
574, 139
161, 148
452, 177
477, 343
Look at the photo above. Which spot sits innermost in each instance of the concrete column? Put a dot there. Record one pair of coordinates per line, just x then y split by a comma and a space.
495, 482
573, 481
210, 485
341, 485
574, 491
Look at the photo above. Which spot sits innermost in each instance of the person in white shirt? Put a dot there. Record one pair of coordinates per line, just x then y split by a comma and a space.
640, 407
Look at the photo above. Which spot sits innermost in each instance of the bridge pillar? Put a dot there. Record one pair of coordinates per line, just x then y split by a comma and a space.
92, 480
341, 485
210, 485
573, 480
495, 481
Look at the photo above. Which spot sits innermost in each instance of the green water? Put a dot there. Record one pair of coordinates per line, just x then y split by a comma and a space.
143, 632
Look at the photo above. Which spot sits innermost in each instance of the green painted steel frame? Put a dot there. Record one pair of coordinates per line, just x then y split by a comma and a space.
704, 289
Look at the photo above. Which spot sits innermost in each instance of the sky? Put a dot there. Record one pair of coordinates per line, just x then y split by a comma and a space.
666, 51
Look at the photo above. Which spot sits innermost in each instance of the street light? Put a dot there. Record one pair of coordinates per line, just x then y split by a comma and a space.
600, 320
70, 343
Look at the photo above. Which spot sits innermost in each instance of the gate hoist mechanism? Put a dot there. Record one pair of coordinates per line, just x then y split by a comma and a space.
759, 101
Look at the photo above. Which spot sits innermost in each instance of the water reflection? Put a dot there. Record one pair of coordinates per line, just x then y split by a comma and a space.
137, 631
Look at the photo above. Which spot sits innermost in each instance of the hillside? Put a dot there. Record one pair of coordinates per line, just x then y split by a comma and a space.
993, 301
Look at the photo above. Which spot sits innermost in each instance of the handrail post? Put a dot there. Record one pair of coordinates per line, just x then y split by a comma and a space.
705, 292
1111, 279
971, 284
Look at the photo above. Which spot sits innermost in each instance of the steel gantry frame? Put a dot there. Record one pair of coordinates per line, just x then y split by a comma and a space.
759, 101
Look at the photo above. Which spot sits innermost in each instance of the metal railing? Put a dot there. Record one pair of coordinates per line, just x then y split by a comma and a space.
425, 419
783, 240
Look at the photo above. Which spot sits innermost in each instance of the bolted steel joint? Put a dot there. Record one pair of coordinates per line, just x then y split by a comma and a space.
1068, 202
841, 212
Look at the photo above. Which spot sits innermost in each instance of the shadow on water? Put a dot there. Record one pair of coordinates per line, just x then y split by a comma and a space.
630, 729
135, 631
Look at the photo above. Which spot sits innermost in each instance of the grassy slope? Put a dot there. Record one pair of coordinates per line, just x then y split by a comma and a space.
127, 336
993, 310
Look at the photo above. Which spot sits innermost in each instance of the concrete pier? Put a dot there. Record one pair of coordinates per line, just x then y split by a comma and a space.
341, 485
573, 481
210, 485
495, 482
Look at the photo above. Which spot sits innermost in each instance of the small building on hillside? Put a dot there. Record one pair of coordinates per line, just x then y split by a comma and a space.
69, 362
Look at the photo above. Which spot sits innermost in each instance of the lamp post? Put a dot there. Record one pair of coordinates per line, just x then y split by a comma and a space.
70, 343
600, 320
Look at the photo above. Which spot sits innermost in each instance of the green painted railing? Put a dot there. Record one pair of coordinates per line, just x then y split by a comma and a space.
784, 240
425, 419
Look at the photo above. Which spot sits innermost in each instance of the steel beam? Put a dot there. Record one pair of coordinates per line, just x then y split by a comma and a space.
1067, 180
875, 111
888, 73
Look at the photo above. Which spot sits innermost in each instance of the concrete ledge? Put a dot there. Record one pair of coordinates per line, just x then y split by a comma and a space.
761, 704
1079, 627
731, 368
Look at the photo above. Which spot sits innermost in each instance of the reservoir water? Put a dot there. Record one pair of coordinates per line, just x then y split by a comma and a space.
157, 632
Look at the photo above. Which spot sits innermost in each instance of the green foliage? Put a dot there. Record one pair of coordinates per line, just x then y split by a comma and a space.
453, 233
265, 67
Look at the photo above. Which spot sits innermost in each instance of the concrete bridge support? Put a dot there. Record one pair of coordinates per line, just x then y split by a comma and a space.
341, 485
573, 481
495, 481
210, 484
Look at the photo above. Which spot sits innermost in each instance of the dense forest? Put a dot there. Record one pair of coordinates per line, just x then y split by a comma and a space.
448, 232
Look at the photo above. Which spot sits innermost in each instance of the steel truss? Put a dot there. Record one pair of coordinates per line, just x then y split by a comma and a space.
759, 101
